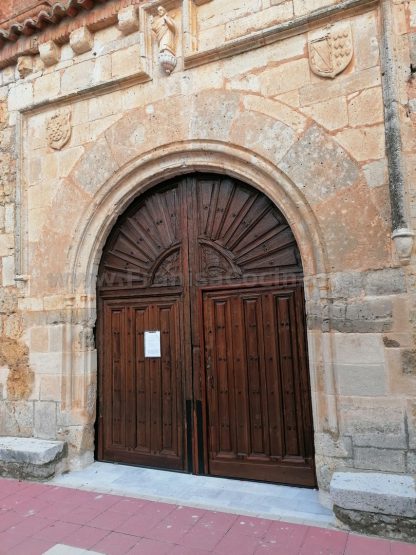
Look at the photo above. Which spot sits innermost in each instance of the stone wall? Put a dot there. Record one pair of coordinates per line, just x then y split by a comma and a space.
244, 100
16, 377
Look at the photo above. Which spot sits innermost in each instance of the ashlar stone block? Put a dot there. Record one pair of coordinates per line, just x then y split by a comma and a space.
385, 460
45, 419
29, 457
374, 492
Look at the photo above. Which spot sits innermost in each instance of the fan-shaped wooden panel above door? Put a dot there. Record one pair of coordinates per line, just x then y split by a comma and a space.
212, 265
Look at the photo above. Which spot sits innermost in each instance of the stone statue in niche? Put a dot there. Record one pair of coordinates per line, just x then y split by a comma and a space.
165, 29
58, 130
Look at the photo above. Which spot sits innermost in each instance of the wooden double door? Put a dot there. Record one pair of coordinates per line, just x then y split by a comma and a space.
201, 336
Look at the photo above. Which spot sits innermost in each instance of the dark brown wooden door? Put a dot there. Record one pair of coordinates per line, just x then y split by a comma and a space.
212, 265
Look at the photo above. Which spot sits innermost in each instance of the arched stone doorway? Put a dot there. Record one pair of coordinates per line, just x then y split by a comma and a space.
211, 265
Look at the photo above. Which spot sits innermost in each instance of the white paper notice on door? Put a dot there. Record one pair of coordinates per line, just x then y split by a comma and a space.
152, 344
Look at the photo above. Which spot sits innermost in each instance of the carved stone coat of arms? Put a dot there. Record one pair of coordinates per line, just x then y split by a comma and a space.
58, 130
332, 51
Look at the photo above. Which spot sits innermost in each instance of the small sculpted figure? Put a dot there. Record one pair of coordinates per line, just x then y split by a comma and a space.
164, 27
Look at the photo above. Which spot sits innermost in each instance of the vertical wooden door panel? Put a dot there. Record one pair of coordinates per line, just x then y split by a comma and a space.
145, 393
142, 385
267, 388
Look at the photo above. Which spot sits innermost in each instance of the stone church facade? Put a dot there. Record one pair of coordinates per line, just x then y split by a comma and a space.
310, 103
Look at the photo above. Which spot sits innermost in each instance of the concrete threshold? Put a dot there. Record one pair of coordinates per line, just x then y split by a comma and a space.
276, 502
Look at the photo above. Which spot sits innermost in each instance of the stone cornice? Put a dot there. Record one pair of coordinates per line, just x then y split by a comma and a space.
47, 15
277, 32
96, 14
101, 14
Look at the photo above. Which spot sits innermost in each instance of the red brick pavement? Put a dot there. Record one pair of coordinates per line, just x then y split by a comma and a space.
35, 517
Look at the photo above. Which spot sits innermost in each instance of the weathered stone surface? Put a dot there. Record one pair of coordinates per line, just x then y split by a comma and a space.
29, 458
409, 361
336, 211
374, 492
332, 447
45, 419
361, 379
29, 450
49, 53
314, 161
376, 173
98, 156
372, 458
81, 40
16, 418
381, 423
394, 527
213, 114
128, 21
367, 316
390, 281
269, 137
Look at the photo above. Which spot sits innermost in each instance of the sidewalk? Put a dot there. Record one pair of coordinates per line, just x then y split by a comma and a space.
34, 518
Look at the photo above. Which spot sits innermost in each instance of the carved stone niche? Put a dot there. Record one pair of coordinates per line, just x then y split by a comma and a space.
170, 26
165, 32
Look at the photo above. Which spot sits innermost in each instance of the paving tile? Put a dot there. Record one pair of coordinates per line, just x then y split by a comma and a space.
237, 543
250, 526
319, 541
103, 501
147, 546
85, 537
209, 531
129, 506
182, 550
8, 519
370, 546
82, 515
109, 520
115, 544
269, 548
57, 511
9, 539
400, 548
31, 546
12, 487
24, 505
34, 489
285, 534
176, 524
57, 531
147, 518
29, 526
55, 494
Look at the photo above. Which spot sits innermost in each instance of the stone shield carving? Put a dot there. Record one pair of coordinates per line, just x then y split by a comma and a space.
58, 130
331, 51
